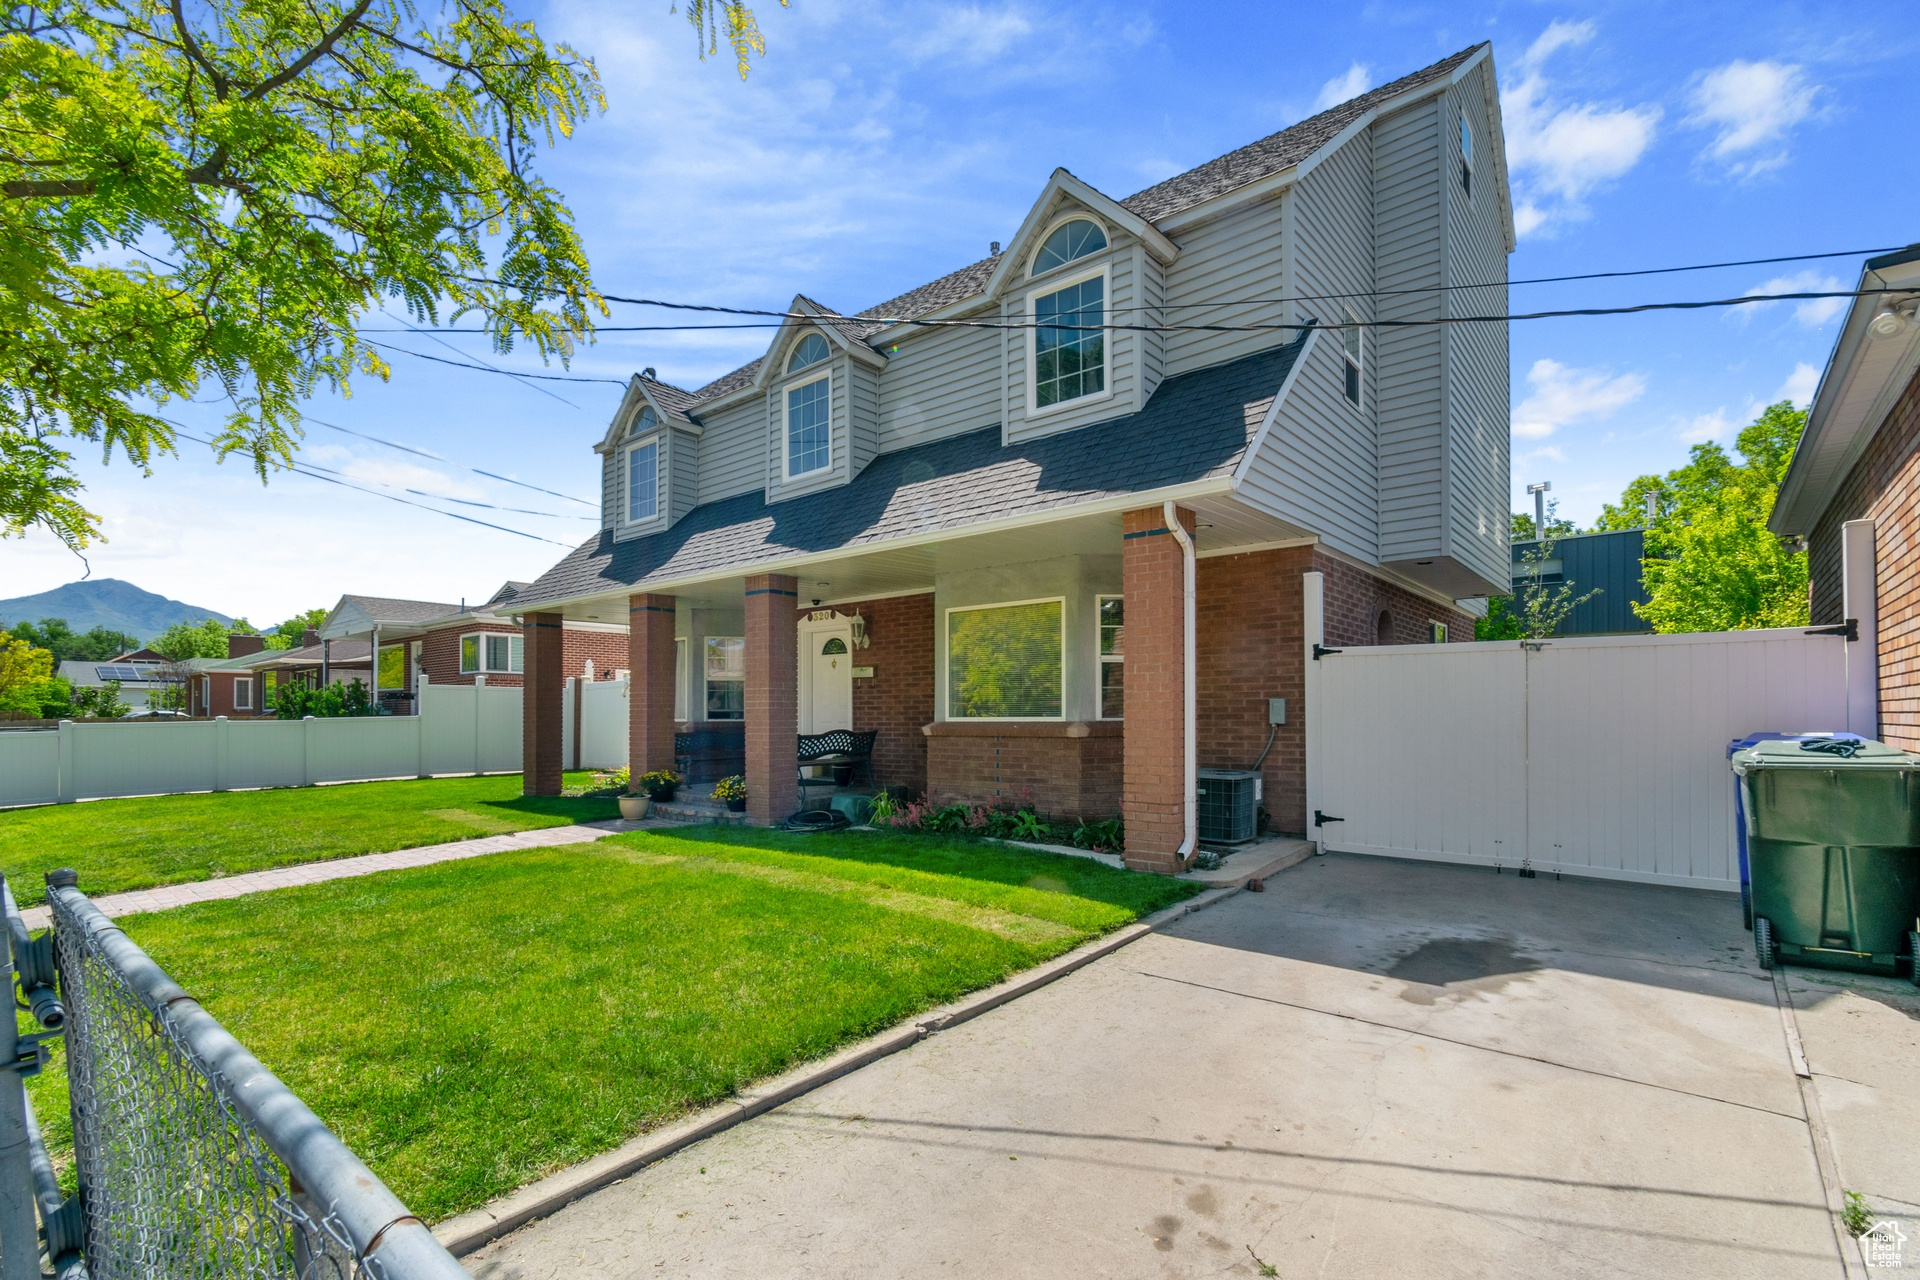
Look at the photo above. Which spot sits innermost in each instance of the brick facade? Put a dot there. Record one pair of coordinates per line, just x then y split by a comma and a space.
545, 685
1884, 486
1064, 771
1153, 580
1355, 600
772, 697
440, 654
898, 700
650, 663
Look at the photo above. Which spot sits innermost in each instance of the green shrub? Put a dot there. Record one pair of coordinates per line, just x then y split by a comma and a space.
297, 701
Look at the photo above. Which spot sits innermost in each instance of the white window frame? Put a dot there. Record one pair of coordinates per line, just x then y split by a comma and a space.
1355, 360
945, 708
514, 641
1040, 242
1103, 660
787, 475
1066, 280
243, 693
681, 697
1466, 154
793, 353
659, 452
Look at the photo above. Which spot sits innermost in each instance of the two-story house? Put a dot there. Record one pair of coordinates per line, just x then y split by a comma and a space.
1042, 523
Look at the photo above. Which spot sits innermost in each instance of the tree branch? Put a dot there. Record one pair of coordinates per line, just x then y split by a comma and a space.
312, 55
194, 51
47, 188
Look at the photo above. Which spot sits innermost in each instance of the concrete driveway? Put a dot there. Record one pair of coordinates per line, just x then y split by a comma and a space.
1373, 1068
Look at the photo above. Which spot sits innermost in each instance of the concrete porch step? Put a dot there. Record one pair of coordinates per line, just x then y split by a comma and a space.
693, 811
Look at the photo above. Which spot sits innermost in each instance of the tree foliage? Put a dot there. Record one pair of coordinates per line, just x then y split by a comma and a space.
57, 637
289, 634
216, 191
28, 686
297, 701
1711, 562
184, 640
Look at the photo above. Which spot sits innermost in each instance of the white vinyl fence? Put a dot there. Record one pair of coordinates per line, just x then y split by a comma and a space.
599, 708
461, 729
1598, 756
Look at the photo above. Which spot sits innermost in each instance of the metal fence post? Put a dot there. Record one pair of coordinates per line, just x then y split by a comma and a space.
19, 1232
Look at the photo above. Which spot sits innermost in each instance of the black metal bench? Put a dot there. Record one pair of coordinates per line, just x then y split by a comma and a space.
834, 750
707, 755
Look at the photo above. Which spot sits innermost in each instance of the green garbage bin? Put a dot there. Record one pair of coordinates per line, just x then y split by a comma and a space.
1833, 848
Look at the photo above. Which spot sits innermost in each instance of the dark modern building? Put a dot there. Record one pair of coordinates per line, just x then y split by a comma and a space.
1609, 562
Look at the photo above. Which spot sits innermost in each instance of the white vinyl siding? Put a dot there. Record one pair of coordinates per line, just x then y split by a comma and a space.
1235, 258
939, 383
1410, 363
734, 449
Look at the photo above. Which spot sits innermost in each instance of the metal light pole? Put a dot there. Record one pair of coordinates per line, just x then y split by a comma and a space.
1539, 492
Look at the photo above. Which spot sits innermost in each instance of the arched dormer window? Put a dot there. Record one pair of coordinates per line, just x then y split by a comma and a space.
812, 349
1070, 241
645, 422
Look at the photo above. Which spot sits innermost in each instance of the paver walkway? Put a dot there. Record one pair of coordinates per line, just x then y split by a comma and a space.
163, 897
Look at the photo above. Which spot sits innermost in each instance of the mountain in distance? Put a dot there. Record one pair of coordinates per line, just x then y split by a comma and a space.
106, 602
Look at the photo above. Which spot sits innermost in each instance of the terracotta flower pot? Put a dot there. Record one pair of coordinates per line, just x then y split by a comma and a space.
634, 808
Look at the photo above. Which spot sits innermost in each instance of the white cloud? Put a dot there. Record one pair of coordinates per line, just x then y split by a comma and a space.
1811, 312
1709, 426
1560, 152
1800, 385
972, 34
1357, 79
1753, 107
1563, 395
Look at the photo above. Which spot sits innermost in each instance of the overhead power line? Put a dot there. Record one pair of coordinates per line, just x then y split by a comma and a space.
427, 453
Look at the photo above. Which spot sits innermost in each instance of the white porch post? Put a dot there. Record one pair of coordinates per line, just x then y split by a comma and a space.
1861, 604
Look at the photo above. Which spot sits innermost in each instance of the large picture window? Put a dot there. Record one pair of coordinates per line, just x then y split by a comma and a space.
808, 446
1069, 362
1113, 667
643, 481
1004, 662
490, 652
726, 677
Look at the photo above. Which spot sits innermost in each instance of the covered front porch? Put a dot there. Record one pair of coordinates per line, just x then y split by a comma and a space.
1044, 665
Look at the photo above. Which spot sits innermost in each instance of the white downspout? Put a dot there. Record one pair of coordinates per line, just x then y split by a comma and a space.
1190, 696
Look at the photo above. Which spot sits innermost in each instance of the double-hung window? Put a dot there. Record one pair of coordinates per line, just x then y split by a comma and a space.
490, 652
1004, 661
809, 411
643, 481
243, 693
725, 670
1069, 345
1113, 670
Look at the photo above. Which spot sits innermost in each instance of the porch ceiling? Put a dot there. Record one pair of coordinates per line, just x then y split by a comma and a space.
1224, 523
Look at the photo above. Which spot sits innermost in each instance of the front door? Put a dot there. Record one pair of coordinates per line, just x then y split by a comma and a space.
829, 700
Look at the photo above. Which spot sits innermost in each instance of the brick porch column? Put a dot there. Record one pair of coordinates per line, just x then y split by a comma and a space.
1153, 789
650, 683
773, 711
542, 690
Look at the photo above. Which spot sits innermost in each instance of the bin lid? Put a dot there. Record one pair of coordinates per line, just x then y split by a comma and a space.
1823, 751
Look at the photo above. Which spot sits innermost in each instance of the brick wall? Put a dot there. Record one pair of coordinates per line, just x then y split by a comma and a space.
540, 743
1355, 599
1884, 486
1153, 577
649, 658
1249, 649
440, 654
1065, 771
772, 692
898, 700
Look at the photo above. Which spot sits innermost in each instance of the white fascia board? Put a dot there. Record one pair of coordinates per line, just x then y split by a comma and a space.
1490, 90
346, 619
1213, 486
1273, 410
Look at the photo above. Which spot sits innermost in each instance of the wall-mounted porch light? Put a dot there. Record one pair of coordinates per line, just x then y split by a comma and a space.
860, 640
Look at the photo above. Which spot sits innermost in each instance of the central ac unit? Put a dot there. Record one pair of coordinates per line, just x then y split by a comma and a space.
1229, 802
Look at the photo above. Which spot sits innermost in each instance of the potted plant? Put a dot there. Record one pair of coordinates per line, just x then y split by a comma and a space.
633, 808
734, 791
659, 785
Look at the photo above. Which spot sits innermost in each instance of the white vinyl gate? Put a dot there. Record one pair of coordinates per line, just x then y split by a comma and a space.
1596, 756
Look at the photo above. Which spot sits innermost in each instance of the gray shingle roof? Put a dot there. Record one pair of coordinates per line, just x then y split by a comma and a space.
1216, 177
383, 609
1196, 426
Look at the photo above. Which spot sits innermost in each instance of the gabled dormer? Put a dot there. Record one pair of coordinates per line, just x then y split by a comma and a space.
1082, 261
650, 460
822, 388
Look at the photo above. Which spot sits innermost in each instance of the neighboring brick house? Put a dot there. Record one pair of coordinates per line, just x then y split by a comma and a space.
1853, 492
226, 687
456, 644
965, 518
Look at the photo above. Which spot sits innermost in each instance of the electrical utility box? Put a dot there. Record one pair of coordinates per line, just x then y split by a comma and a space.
1229, 803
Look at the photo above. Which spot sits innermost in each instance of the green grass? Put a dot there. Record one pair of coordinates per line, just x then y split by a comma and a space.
118, 845
472, 1026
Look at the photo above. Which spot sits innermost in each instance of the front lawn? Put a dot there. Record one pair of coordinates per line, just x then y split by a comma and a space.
471, 1026
118, 845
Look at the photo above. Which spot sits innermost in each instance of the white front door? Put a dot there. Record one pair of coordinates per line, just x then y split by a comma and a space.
827, 660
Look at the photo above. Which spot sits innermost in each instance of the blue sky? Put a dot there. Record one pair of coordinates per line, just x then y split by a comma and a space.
877, 147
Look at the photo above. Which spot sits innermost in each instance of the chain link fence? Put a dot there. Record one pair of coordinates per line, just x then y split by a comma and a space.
193, 1159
